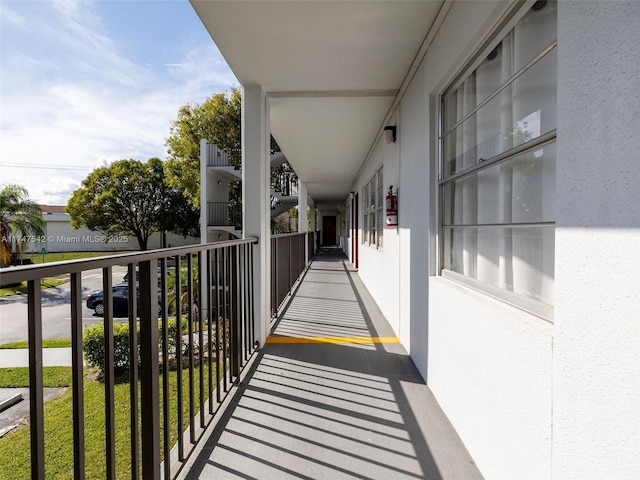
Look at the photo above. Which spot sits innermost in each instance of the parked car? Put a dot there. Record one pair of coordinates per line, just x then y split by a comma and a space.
125, 279
95, 301
170, 265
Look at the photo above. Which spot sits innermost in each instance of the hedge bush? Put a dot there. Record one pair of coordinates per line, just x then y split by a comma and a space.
93, 346
93, 343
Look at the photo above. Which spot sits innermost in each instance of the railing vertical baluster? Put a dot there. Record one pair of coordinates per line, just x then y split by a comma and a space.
166, 430
298, 260
77, 374
285, 263
277, 274
236, 346
247, 300
110, 426
245, 304
302, 257
252, 321
149, 371
179, 346
192, 432
293, 260
209, 331
274, 276
133, 372
217, 257
201, 302
228, 270
36, 390
240, 302
225, 309
288, 260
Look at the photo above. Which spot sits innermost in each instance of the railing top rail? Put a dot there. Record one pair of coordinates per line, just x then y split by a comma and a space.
294, 234
36, 272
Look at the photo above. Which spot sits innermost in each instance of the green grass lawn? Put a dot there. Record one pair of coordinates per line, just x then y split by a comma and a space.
53, 343
16, 377
58, 425
22, 288
63, 256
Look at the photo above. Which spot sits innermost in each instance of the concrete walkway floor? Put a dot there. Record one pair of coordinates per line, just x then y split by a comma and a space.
332, 395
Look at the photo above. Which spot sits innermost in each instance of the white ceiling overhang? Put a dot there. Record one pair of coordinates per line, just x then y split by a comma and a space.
331, 70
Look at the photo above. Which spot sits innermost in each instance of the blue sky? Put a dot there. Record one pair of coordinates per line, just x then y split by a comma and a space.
86, 82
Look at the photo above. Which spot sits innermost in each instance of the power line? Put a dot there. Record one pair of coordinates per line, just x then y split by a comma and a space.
43, 167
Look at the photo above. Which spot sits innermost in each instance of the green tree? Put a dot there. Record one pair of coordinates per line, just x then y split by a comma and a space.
218, 119
130, 197
178, 215
19, 217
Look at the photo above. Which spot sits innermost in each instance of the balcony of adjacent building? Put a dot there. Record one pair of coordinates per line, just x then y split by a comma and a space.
221, 190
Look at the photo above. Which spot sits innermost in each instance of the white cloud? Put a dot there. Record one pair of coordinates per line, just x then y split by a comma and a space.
58, 191
10, 16
90, 105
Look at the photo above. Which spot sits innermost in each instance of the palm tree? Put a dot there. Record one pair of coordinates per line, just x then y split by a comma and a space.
19, 217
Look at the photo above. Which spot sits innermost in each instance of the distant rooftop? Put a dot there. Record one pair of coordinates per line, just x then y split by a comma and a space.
52, 208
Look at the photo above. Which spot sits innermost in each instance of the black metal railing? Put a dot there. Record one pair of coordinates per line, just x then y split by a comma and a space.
224, 214
218, 340
216, 157
311, 245
284, 182
290, 254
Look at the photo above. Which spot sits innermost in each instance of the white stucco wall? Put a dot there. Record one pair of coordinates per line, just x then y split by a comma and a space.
413, 219
596, 413
379, 266
488, 364
490, 369
531, 399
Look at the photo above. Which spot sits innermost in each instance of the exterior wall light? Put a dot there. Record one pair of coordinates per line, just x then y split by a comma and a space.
389, 135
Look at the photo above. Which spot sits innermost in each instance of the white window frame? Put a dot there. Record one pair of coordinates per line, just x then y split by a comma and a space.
530, 305
372, 211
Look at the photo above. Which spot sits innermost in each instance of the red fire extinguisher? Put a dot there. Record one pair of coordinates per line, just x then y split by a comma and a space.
391, 202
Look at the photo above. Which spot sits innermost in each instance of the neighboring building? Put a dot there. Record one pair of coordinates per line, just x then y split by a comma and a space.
221, 219
60, 237
513, 277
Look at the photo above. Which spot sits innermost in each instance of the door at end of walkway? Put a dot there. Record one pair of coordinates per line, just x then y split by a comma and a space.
329, 230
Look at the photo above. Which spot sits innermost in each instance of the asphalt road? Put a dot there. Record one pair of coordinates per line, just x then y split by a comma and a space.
56, 309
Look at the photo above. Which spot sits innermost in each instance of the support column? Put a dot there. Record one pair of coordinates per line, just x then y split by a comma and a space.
302, 217
203, 192
302, 207
255, 198
312, 224
204, 222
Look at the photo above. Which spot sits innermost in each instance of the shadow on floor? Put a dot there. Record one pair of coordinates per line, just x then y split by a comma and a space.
334, 395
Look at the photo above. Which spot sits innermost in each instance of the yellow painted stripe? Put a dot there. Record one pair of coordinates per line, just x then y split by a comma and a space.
336, 340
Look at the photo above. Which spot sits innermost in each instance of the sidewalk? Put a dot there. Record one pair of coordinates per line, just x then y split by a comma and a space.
14, 414
51, 357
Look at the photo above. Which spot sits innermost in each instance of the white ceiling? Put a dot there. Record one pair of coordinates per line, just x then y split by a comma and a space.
331, 70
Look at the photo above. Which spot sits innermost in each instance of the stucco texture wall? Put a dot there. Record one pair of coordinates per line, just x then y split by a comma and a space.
488, 364
597, 327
